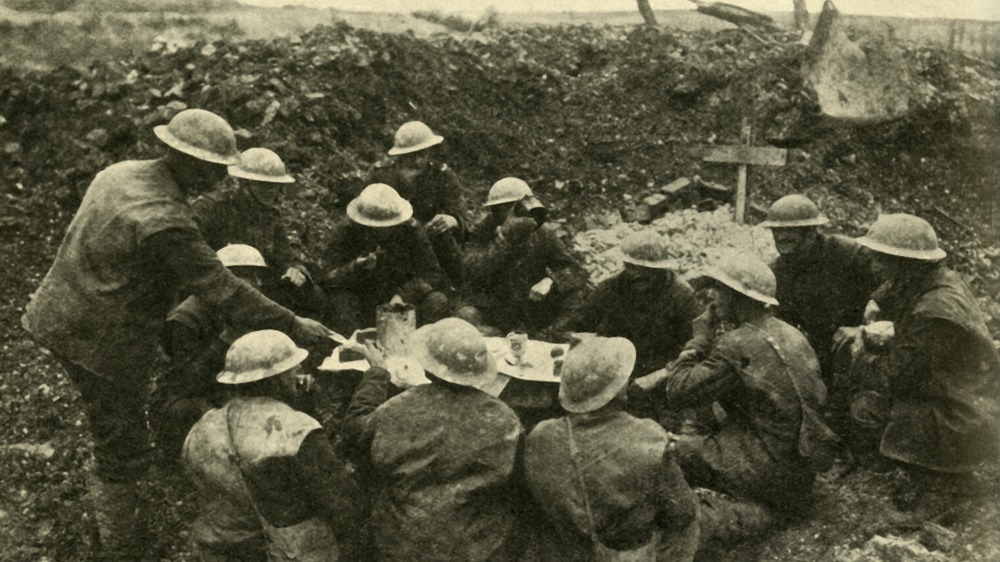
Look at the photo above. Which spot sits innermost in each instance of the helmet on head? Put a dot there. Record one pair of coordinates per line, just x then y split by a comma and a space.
594, 372
648, 249
379, 205
793, 211
259, 355
453, 350
240, 255
413, 136
746, 275
201, 134
261, 164
903, 235
508, 190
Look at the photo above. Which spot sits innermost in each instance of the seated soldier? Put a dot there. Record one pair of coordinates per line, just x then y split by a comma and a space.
929, 396
444, 456
268, 482
247, 213
381, 252
195, 339
432, 188
519, 273
647, 302
760, 461
823, 280
607, 480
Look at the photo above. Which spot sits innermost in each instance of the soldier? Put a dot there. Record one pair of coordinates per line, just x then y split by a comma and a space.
381, 252
432, 188
248, 213
519, 273
760, 462
445, 455
933, 404
131, 249
196, 339
647, 302
269, 484
824, 280
607, 480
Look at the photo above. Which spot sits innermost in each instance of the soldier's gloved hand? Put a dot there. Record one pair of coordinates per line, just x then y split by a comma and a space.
441, 223
516, 230
295, 277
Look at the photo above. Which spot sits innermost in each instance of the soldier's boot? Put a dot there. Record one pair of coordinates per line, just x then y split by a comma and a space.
726, 520
118, 516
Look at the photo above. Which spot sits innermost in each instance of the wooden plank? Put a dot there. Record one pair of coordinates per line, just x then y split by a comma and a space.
741, 178
752, 155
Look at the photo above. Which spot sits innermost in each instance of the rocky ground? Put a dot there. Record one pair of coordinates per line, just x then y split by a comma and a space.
594, 118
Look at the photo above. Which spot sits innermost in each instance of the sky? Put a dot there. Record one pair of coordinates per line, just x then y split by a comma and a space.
971, 9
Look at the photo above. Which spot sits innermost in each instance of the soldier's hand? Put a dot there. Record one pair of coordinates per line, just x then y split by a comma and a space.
650, 381
295, 277
516, 230
705, 325
441, 223
367, 261
872, 312
310, 332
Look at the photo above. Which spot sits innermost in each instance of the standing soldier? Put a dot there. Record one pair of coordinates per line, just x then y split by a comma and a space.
434, 190
248, 213
824, 281
131, 250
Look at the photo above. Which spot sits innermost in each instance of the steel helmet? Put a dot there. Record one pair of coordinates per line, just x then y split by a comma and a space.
647, 248
794, 211
413, 136
201, 134
507, 190
261, 164
903, 235
240, 255
453, 350
594, 371
747, 275
379, 205
259, 355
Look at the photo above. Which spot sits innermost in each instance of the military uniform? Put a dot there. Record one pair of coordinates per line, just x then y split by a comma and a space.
499, 277
619, 468
433, 190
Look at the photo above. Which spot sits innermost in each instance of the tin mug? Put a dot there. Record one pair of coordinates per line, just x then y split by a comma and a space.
518, 342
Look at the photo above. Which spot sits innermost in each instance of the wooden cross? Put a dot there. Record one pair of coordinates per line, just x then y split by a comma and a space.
745, 155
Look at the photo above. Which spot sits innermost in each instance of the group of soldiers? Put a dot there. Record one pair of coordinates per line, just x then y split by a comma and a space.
692, 411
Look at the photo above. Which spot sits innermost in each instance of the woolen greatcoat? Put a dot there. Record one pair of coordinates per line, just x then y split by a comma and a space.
446, 464
765, 376
433, 190
824, 289
264, 469
655, 317
944, 376
632, 483
499, 276
131, 248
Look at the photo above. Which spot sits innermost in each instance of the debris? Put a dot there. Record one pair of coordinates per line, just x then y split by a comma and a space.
43, 450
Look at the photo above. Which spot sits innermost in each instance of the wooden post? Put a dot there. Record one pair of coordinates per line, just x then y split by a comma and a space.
647, 13
745, 155
741, 177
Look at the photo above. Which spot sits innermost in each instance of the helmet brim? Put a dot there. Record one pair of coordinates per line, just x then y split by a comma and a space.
434, 140
355, 215
735, 285
238, 172
163, 133
652, 264
925, 255
230, 377
816, 221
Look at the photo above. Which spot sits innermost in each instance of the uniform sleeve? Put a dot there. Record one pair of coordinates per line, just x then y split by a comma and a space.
568, 276
335, 496
206, 210
453, 202
371, 393
338, 259
695, 383
588, 315
928, 346
199, 272
424, 260
676, 511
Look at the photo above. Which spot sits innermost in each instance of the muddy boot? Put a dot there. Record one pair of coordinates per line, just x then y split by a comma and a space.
116, 510
726, 520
